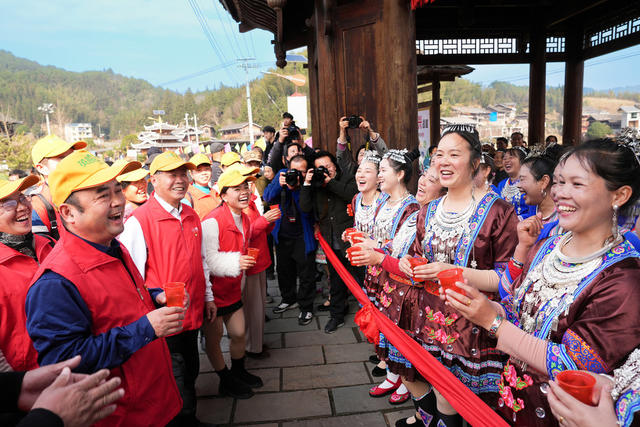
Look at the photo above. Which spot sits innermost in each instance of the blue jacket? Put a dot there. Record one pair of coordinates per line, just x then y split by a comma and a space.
272, 194
523, 210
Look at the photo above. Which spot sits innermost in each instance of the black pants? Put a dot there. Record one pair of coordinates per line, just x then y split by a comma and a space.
293, 263
338, 290
271, 268
186, 365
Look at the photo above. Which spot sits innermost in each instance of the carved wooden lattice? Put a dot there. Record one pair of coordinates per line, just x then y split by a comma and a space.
481, 46
613, 32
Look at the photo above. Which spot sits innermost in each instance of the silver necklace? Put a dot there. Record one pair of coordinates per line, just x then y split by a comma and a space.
445, 229
511, 192
383, 221
365, 215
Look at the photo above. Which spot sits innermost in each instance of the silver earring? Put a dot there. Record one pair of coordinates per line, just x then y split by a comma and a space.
614, 226
544, 194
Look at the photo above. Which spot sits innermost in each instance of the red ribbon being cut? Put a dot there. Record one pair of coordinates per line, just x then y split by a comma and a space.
371, 320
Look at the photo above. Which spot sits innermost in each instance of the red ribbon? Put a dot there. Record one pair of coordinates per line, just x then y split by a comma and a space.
468, 405
366, 320
419, 3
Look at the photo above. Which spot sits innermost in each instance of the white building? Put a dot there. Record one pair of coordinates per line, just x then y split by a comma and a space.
630, 116
74, 132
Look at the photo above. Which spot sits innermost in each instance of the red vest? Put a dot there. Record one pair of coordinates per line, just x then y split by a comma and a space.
228, 290
115, 299
16, 271
174, 254
259, 229
202, 202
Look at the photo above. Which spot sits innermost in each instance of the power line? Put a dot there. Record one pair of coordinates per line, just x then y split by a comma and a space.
225, 23
197, 74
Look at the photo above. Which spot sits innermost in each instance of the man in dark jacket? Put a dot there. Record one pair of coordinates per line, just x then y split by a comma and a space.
328, 198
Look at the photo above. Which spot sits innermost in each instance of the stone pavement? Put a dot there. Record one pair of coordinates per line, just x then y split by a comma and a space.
311, 378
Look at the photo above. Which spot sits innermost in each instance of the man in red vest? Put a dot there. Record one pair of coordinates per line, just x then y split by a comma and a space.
88, 298
164, 237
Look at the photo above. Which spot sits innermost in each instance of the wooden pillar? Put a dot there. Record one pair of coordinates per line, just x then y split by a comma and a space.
573, 87
434, 113
537, 89
365, 64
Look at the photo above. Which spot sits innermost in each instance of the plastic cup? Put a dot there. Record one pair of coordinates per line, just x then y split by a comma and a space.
350, 252
174, 292
578, 384
448, 279
253, 252
356, 237
348, 232
416, 261
274, 207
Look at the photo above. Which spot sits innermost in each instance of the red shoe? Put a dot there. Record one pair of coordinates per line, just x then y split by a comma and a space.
378, 391
398, 399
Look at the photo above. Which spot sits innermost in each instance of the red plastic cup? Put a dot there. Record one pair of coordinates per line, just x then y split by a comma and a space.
416, 261
253, 252
274, 207
356, 237
578, 384
350, 252
174, 292
448, 279
349, 231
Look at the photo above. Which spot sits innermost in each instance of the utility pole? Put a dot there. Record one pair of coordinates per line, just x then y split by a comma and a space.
47, 109
186, 123
244, 63
195, 124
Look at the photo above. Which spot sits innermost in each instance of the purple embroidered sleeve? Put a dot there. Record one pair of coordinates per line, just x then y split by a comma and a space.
558, 360
627, 405
505, 286
510, 313
582, 354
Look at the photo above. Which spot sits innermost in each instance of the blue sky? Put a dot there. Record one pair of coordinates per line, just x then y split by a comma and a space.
162, 41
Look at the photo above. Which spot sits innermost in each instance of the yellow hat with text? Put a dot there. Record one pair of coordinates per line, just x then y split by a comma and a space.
81, 170
168, 161
200, 159
7, 188
52, 146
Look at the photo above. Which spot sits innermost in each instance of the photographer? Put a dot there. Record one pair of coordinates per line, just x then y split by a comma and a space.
294, 241
327, 192
288, 134
373, 141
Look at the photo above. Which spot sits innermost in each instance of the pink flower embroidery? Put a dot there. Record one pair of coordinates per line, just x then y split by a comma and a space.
441, 336
527, 379
439, 318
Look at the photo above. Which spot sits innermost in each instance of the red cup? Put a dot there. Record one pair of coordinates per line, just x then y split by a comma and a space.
416, 261
253, 252
274, 207
448, 279
356, 237
350, 252
349, 231
174, 292
578, 384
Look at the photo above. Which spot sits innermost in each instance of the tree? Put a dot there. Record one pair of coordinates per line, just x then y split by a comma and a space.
598, 130
16, 152
127, 141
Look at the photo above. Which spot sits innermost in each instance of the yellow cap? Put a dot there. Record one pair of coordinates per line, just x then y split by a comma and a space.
233, 177
244, 170
252, 156
261, 143
200, 159
168, 161
133, 176
7, 188
230, 158
52, 146
81, 170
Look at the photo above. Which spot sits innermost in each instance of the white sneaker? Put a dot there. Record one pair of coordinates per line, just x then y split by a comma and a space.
284, 307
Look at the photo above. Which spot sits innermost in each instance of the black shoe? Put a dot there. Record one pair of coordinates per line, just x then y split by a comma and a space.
264, 354
322, 307
374, 359
239, 372
378, 372
304, 318
231, 386
333, 325
403, 422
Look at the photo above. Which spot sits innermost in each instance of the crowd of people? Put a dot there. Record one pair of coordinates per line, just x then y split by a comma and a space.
541, 239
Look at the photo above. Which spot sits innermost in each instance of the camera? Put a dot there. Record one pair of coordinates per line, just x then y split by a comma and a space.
354, 121
293, 177
319, 174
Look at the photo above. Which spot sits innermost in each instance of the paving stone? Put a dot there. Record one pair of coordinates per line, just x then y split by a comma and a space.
349, 322
348, 352
215, 410
205, 365
286, 357
318, 337
290, 314
270, 379
287, 325
272, 340
357, 399
360, 420
394, 416
323, 376
207, 384
282, 406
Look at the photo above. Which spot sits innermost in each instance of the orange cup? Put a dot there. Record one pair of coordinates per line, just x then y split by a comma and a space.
274, 207
350, 252
253, 252
416, 261
174, 292
578, 384
448, 279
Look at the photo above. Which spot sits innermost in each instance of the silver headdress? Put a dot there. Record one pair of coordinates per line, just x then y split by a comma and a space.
630, 137
537, 151
372, 157
399, 156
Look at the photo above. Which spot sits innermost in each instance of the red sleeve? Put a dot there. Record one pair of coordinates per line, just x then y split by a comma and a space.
391, 265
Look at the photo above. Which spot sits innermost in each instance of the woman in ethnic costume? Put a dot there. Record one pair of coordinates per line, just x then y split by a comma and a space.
394, 175
574, 298
477, 235
486, 173
618, 399
508, 187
